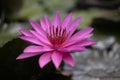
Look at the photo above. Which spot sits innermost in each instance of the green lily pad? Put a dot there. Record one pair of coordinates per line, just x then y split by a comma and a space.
92, 13
34, 9
20, 69
10, 31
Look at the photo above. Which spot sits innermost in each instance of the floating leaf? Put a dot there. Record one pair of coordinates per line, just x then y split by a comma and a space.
10, 31
92, 13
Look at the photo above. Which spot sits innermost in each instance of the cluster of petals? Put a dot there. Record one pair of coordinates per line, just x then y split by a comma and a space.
55, 40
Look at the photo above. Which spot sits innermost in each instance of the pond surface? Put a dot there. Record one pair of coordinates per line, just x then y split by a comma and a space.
99, 62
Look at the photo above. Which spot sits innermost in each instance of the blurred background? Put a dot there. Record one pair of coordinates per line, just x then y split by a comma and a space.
99, 62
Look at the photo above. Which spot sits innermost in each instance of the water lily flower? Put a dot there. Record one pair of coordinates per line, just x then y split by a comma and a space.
54, 41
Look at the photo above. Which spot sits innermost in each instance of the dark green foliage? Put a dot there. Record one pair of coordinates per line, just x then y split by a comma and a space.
13, 69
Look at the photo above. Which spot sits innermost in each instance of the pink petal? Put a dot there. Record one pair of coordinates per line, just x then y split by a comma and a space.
43, 25
36, 49
47, 21
82, 33
37, 27
27, 55
68, 59
56, 19
67, 20
26, 32
82, 43
44, 59
73, 26
31, 39
57, 59
75, 48
79, 36
71, 42
88, 35
87, 43
42, 39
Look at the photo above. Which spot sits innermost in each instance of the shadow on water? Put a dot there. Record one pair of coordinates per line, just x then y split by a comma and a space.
105, 4
27, 69
107, 27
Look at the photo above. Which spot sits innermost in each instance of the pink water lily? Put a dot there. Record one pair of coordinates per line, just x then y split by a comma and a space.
55, 40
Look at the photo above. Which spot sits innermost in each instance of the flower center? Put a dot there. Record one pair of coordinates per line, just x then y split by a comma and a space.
57, 35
